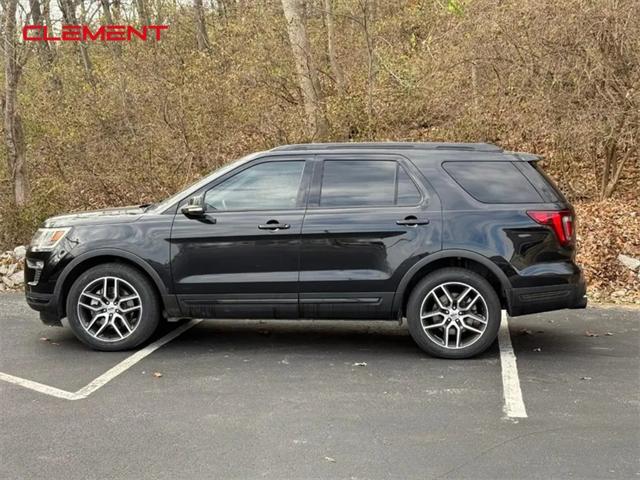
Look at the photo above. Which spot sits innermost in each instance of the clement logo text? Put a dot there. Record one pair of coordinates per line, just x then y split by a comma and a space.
83, 33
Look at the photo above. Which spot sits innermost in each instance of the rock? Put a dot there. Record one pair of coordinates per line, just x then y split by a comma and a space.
629, 262
7, 281
19, 252
4, 269
17, 277
10, 269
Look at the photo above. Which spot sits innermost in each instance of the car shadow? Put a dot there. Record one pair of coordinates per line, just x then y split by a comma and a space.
308, 337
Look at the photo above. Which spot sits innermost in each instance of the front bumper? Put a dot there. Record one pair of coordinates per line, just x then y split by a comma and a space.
523, 301
46, 305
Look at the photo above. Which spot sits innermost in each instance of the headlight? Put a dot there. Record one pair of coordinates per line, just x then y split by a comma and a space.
46, 239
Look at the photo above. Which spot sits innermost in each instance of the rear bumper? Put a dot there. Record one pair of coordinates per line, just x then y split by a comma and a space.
523, 301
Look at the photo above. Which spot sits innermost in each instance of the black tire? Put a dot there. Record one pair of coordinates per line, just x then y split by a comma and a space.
150, 311
467, 277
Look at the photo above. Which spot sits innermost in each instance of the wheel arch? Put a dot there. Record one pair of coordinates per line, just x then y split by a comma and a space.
452, 258
88, 260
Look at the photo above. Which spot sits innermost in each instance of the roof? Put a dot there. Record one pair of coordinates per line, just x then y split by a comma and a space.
468, 147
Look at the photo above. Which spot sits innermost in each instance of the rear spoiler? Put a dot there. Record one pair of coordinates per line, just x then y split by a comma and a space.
525, 157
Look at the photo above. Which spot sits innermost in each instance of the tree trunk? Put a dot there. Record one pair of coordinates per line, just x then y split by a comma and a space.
369, 12
46, 55
307, 77
201, 26
69, 13
13, 133
106, 11
331, 45
143, 12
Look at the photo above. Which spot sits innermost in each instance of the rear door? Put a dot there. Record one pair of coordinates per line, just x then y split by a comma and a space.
241, 259
369, 219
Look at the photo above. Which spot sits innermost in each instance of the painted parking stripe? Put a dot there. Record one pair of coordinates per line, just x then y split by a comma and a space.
133, 359
107, 376
40, 387
513, 402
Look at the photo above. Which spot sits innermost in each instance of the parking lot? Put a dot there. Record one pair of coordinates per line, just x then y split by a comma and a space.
279, 400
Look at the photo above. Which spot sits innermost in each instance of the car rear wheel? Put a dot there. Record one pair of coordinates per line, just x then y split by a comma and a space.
112, 307
453, 313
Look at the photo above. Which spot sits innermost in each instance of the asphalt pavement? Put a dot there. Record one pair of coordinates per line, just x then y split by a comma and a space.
316, 400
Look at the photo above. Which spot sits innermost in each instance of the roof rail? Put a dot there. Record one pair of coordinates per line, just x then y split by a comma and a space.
473, 147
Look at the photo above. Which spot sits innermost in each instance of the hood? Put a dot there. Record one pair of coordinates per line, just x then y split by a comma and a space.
97, 217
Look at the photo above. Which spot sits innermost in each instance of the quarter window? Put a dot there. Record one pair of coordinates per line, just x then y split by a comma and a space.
493, 182
358, 183
266, 186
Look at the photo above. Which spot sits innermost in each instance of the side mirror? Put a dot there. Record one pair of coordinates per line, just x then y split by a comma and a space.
195, 207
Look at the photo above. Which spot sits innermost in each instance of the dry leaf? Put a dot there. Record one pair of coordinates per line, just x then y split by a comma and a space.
591, 334
329, 459
157, 374
360, 364
537, 349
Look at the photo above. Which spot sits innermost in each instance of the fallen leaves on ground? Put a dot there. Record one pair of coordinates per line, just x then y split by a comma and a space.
605, 230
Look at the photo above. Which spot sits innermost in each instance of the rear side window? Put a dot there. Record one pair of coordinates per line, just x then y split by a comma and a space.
542, 181
360, 183
493, 182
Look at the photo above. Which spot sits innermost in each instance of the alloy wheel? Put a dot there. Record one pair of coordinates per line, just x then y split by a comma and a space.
454, 315
109, 309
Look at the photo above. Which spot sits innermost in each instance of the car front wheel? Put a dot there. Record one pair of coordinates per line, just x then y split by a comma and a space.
112, 307
453, 313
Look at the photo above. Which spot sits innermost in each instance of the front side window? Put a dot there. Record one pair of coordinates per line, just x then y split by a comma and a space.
359, 183
266, 186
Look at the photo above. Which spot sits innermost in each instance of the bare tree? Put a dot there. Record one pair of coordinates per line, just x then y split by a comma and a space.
143, 12
106, 11
13, 132
306, 70
68, 8
331, 45
369, 15
46, 54
201, 26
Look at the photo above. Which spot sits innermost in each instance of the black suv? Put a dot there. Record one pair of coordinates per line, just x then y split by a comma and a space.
443, 234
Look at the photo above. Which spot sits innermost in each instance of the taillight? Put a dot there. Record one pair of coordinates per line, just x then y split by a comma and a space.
561, 222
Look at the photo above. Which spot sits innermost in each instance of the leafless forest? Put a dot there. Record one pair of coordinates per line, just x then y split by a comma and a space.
93, 124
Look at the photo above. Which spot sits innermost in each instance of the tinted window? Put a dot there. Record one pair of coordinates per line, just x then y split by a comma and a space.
493, 182
357, 183
542, 181
266, 186
408, 193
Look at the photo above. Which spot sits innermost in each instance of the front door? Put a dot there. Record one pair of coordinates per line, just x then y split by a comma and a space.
369, 219
241, 259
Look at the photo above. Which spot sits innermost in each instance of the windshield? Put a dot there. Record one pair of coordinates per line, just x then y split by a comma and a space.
160, 207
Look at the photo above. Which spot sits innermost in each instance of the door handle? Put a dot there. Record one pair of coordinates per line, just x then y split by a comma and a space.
412, 221
274, 225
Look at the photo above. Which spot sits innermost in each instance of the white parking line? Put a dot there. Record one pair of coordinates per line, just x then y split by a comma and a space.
513, 403
106, 377
39, 387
